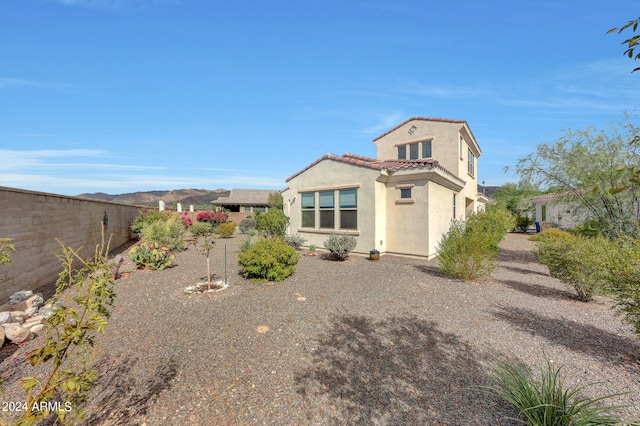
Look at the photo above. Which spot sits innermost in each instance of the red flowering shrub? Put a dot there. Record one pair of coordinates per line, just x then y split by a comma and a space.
213, 216
186, 220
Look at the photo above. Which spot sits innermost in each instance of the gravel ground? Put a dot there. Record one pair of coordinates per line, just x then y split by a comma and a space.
354, 342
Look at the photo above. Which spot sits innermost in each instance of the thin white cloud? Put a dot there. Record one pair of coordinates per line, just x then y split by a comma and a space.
114, 4
385, 122
6, 83
440, 91
21, 159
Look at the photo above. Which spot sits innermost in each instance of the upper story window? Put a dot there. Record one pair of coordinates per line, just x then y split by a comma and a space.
471, 163
402, 152
417, 150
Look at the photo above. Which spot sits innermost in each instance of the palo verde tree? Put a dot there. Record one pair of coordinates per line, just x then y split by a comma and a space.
584, 169
632, 42
516, 198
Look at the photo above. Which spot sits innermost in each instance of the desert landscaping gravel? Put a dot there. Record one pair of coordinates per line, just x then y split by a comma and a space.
389, 342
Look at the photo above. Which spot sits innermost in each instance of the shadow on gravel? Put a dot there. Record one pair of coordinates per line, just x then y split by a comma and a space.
574, 336
399, 371
524, 271
433, 270
516, 256
119, 399
537, 290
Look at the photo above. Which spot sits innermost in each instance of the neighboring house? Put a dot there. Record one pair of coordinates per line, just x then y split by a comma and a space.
401, 202
245, 200
551, 211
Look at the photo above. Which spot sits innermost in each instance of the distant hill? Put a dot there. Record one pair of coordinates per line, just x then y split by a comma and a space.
196, 197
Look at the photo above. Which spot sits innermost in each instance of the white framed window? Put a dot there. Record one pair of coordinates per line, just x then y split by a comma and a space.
348, 209
330, 209
308, 205
471, 163
326, 201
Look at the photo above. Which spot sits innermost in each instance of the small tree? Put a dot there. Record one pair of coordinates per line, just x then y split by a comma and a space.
275, 201
5, 248
584, 168
204, 245
632, 42
70, 334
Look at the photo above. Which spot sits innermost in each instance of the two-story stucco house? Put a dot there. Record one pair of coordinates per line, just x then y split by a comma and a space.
401, 202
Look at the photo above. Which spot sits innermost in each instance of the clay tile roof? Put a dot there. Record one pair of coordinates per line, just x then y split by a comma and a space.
372, 163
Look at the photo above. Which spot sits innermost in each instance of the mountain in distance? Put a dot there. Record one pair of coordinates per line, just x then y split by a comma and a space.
186, 197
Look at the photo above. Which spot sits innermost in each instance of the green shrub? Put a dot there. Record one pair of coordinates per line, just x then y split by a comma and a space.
551, 233
295, 241
272, 224
624, 284
581, 262
200, 229
152, 255
269, 259
6, 246
247, 224
169, 232
548, 401
590, 228
340, 245
148, 216
522, 222
469, 250
466, 254
246, 243
226, 230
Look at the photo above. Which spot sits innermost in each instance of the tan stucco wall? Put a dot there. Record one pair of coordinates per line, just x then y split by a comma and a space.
408, 221
35, 219
441, 208
445, 148
333, 174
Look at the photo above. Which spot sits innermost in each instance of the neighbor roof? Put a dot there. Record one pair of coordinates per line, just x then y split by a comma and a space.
258, 197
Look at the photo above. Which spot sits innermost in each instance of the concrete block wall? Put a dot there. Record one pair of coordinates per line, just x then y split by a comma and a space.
35, 219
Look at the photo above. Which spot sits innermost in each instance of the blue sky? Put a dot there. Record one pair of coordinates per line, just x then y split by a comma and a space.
132, 95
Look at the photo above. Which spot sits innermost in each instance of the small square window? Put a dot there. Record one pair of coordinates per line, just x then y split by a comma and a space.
405, 193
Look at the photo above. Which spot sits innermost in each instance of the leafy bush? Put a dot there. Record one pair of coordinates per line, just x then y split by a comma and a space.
200, 229
272, 224
213, 216
581, 262
247, 224
295, 241
551, 233
186, 220
522, 222
246, 243
468, 251
226, 230
65, 358
5, 247
152, 255
590, 228
548, 401
269, 259
340, 245
148, 216
624, 284
169, 232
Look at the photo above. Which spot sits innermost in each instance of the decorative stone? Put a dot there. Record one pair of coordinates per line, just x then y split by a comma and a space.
38, 319
17, 316
16, 333
5, 317
34, 301
36, 328
46, 311
19, 296
2, 339
31, 311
